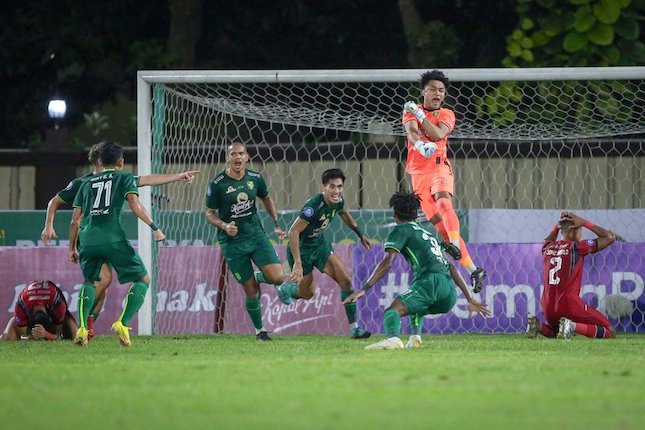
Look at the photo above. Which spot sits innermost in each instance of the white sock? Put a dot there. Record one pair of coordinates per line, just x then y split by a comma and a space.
258, 330
353, 325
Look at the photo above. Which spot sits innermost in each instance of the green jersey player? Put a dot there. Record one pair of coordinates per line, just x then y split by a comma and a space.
431, 291
67, 196
230, 206
308, 247
99, 203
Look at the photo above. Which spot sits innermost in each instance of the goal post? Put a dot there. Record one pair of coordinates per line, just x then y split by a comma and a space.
523, 138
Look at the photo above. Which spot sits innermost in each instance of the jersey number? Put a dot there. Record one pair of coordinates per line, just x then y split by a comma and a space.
556, 262
101, 188
434, 247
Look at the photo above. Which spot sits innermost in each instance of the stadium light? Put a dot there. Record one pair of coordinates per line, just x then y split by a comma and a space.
57, 109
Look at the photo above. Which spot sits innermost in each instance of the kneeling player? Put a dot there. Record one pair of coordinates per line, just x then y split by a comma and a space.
40, 313
564, 311
431, 291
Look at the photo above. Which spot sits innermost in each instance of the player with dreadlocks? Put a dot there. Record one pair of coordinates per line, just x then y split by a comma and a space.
431, 291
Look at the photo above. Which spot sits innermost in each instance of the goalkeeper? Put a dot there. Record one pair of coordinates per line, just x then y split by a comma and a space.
431, 291
427, 128
308, 248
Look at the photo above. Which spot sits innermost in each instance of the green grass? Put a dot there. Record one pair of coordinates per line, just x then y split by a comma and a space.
311, 382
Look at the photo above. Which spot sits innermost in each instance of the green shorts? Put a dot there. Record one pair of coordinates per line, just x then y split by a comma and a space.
239, 254
432, 294
127, 264
314, 255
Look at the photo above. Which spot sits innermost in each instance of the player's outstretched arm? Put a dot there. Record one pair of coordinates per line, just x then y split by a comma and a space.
162, 179
269, 205
351, 223
142, 214
48, 232
473, 305
377, 274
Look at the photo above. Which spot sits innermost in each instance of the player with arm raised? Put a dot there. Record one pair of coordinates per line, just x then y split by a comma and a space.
427, 127
564, 311
308, 248
40, 313
99, 203
67, 195
431, 291
231, 207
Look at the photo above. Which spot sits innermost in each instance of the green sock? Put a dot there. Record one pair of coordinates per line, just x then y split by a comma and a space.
94, 312
133, 301
85, 300
254, 308
350, 308
392, 323
416, 324
292, 290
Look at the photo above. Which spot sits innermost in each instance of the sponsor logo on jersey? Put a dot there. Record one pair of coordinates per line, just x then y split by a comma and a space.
208, 191
69, 186
590, 242
308, 211
230, 190
243, 205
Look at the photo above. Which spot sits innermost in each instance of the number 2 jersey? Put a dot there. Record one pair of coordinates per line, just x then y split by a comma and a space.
563, 260
102, 198
40, 293
420, 248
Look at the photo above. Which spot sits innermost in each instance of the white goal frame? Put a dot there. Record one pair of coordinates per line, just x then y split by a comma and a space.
145, 80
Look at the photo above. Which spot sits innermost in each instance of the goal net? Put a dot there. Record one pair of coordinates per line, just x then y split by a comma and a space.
528, 143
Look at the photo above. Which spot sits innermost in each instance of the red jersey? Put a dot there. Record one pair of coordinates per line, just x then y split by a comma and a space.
563, 261
40, 293
417, 163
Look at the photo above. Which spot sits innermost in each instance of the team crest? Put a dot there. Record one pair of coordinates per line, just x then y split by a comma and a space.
250, 185
230, 190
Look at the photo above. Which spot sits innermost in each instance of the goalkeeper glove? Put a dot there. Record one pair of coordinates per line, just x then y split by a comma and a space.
425, 148
415, 110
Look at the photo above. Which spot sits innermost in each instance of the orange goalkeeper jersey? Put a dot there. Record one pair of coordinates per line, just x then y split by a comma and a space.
416, 162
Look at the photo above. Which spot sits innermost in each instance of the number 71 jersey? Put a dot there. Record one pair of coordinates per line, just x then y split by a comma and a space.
101, 199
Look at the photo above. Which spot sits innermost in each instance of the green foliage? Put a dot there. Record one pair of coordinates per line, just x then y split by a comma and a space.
574, 33
325, 382
577, 33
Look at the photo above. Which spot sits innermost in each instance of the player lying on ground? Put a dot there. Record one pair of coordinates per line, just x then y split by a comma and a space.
67, 195
431, 291
564, 311
40, 313
427, 127
308, 248
99, 205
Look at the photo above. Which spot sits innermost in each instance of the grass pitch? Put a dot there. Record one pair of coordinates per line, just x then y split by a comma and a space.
322, 382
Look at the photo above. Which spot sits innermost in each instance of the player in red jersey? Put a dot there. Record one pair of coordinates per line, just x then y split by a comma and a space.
564, 311
40, 313
427, 127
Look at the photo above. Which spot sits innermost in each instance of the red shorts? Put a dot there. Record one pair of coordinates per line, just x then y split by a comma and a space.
576, 310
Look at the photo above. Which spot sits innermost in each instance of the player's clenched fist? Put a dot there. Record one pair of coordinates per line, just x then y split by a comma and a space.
425, 148
415, 110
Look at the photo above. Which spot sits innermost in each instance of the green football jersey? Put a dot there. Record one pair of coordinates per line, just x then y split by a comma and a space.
419, 247
101, 199
69, 193
234, 200
318, 215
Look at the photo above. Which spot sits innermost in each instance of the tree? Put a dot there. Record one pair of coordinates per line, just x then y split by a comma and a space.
577, 33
